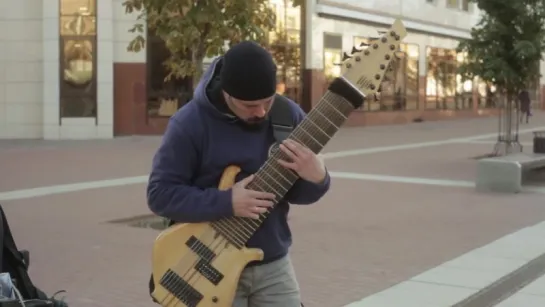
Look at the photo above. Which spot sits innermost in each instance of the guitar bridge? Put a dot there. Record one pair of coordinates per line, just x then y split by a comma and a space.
180, 289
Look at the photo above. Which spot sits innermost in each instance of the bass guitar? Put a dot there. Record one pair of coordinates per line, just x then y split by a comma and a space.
198, 265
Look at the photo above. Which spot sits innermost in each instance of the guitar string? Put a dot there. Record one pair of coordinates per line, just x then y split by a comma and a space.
222, 240
302, 130
268, 169
302, 136
276, 178
296, 134
245, 226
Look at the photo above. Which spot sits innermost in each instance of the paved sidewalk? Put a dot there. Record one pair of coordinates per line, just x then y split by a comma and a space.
363, 237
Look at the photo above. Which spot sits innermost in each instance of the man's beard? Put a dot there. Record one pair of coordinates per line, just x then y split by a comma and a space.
255, 120
253, 123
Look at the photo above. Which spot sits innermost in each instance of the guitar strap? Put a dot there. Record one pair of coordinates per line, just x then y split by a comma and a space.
281, 118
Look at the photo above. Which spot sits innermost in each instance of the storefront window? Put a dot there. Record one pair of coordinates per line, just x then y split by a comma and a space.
78, 63
445, 88
411, 62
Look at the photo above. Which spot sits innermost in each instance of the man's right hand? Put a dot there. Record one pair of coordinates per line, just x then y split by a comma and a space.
250, 203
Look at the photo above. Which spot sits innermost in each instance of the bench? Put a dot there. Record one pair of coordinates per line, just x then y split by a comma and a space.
505, 173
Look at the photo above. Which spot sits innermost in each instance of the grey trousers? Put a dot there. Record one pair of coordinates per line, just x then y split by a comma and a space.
268, 285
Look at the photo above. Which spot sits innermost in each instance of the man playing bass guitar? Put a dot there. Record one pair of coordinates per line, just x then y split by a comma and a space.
226, 123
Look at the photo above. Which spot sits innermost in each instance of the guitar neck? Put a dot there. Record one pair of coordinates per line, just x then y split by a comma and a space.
314, 132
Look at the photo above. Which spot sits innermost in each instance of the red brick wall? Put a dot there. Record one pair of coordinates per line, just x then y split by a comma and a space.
130, 112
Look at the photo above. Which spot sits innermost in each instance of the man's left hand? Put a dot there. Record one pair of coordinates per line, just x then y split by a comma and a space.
304, 162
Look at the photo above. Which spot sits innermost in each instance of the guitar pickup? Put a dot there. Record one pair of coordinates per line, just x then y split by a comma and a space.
200, 249
209, 272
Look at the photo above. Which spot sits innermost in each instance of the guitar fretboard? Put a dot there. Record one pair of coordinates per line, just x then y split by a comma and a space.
315, 131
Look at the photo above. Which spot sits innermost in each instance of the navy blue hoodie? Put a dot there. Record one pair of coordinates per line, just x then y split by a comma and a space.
200, 141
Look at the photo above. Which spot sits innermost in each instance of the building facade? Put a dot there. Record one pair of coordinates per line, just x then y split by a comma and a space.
424, 84
65, 72
56, 68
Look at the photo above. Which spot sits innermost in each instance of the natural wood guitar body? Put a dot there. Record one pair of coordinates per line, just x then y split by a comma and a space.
171, 252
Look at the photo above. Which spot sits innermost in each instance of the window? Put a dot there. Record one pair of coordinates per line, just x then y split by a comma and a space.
78, 63
486, 94
410, 63
333, 54
164, 98
458, 4
465, 5
464, 88
399, 88
285, 46
444, 87
534, 89
453, 4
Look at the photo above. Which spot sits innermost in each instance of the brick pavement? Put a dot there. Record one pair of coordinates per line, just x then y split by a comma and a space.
362, 237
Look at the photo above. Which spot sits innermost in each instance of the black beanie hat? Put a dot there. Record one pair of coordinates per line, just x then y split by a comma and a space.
248, 72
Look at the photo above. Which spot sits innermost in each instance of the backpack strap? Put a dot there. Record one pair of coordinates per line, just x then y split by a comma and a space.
2, 233
281, 118
19, 266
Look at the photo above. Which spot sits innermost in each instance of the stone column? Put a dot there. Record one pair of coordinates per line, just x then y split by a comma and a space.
21, 75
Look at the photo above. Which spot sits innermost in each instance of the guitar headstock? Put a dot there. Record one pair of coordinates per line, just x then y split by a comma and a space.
366, 66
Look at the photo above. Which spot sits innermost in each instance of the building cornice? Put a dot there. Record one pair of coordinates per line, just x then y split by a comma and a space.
338, 10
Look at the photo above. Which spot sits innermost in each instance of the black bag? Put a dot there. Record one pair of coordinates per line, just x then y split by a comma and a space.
16, 262
281, 118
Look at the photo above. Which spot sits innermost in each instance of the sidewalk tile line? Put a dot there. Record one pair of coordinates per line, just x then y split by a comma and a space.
363, 151
420, 180
492, 142
81, 186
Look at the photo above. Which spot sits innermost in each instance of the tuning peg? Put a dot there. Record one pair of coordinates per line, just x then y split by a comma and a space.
373, 38
382, 32
364, 45
346, 56
354, 49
